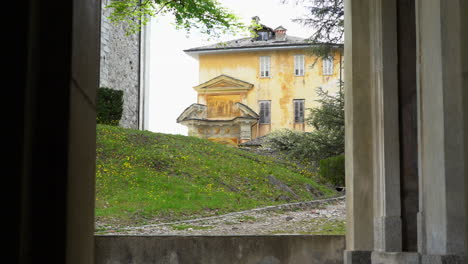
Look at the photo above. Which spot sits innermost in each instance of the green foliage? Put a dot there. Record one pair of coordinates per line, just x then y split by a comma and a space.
141, 176
109, 106
326, 19
207, 16
327, 139
319, 226
333, 170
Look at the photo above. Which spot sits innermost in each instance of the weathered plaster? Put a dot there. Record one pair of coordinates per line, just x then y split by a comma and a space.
281, 88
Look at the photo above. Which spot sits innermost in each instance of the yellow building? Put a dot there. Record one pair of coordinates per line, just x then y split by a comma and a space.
249, 87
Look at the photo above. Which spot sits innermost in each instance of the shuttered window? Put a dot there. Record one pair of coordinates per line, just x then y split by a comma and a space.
265, 66
265, 112
299, 65
327, 64
298, 110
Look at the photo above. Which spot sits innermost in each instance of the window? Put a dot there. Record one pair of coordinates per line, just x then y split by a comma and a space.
299, 65
265, 113
327, 64
263, 35
265, 66
298, 110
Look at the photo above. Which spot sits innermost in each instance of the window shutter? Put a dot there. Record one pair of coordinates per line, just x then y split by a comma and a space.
296, 114
299, 110
302, 64
261, 67
299, 65
324, 66
264, 66
296, 68
328, 66
264, 112
267, 112
267, 71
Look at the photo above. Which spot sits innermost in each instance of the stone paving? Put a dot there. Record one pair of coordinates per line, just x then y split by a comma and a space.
323, 217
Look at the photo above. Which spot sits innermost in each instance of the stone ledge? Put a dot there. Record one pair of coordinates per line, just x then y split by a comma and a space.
442, 259
275, 249
395, 257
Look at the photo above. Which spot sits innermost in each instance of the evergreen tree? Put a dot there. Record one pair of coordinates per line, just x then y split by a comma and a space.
327, 138
326, 19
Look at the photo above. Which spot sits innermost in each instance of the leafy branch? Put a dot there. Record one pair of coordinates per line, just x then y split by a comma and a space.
207, 16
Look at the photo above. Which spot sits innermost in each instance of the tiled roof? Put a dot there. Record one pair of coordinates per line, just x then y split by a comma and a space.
251, 43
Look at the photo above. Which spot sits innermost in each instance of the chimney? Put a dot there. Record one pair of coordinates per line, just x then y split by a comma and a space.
256, 19
280, 33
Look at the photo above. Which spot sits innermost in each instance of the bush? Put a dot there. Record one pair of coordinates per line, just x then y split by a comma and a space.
284, 139
306, 147
333, 170
109, 106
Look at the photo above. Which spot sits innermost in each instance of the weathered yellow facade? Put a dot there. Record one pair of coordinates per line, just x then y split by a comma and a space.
281, 88
231, 88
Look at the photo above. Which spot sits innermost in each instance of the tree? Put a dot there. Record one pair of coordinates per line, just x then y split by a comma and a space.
328, 121
208, 16
326, 19
327, 138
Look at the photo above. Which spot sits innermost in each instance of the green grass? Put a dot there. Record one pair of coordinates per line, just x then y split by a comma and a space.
186, 226
142, 176
319, 226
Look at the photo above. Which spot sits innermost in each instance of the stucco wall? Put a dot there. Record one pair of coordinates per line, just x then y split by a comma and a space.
281, 88
286, 249
120, 66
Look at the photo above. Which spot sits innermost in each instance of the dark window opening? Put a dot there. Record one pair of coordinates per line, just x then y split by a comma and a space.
299, 110
265, 113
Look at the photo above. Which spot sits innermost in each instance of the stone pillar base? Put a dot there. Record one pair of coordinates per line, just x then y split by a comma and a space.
357, 257
395, 257
387, 233
442, 259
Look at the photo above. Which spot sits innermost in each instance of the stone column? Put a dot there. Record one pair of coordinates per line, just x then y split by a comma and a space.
464, 59
358, 141
441, 131
387, 209
80, 181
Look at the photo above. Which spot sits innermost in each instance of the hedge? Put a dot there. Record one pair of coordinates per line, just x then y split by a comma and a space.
333, 170
109, 106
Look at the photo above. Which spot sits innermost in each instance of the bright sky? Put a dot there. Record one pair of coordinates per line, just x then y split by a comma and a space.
173, 73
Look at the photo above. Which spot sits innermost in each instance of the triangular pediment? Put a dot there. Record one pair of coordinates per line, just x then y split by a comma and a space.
223, 83
194, 111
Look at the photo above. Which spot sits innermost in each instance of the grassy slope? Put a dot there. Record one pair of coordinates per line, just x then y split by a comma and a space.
143, 175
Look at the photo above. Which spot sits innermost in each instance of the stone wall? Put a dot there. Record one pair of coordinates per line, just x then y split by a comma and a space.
277, 249
120, 65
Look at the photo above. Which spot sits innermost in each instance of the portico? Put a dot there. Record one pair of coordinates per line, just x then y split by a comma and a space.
406, 86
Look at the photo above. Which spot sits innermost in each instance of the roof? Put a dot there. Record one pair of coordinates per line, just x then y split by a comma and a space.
245, 43
275, 42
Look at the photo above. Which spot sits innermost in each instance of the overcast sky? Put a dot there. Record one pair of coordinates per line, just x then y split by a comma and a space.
173, 73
